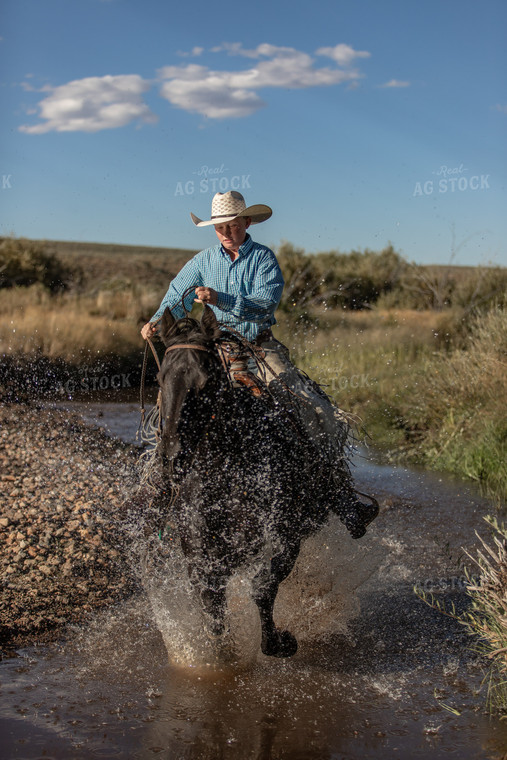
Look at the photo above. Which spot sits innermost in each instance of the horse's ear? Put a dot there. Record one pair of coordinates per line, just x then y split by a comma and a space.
165, 324
209, 323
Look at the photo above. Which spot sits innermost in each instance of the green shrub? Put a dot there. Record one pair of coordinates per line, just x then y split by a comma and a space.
362, 279
26, 262
346, 280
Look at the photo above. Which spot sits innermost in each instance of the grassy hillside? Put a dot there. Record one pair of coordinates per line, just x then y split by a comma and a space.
102, 263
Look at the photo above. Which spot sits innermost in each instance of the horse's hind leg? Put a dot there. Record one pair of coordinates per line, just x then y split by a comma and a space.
274, 643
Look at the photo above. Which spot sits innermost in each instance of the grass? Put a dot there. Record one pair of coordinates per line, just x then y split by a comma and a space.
487, 619
102, 263
368, 362
421, 398
74, 328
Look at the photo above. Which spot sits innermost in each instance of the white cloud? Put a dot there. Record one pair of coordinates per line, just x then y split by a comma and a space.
196, 51
107, 102
234, 94
395, 83
343, 54
235, 48
196, 89
93, 104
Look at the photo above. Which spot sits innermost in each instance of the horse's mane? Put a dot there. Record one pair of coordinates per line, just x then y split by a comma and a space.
186, 327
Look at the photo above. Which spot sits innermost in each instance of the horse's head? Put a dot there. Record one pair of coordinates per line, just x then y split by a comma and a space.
190, 379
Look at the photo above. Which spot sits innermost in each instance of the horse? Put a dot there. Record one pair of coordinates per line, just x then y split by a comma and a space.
243, 482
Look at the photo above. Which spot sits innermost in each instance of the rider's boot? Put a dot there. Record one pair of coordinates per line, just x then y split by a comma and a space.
248, 380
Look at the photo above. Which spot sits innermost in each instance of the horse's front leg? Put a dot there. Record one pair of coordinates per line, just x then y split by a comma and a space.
211, 590
209, 584
275, 643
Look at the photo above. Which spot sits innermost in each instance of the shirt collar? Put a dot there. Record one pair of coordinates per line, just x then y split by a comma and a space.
244, 248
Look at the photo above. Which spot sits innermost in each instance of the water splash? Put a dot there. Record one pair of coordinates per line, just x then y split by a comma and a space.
318, 599
180, 619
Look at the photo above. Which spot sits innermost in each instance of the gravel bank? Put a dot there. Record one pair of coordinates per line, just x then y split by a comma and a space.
63, 494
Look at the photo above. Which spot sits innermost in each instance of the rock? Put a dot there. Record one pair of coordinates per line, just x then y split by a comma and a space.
60, 481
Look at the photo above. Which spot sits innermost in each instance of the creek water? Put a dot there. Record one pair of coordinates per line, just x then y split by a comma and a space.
378, 674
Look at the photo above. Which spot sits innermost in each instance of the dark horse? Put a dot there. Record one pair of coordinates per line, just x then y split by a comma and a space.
243, 480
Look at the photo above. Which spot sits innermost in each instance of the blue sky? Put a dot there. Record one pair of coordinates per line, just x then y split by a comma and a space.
361, 123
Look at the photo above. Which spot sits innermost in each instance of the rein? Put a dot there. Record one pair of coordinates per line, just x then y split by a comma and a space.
143, 378
145, 359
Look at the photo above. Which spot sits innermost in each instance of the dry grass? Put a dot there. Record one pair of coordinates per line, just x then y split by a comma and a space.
488, 617
72, 328
128, 264
361, 356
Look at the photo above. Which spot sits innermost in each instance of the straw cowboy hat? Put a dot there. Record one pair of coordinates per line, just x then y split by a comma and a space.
228, 206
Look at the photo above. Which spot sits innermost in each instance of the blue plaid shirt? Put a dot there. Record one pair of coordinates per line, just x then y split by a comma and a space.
249, 289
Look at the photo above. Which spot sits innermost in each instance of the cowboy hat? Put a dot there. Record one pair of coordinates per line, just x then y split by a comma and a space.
228, 206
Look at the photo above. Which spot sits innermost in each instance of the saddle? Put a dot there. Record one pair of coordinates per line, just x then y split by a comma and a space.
235, 361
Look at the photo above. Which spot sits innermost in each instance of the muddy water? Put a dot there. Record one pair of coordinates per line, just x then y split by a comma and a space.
374, 677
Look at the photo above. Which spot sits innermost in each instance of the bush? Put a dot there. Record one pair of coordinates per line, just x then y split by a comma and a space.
302, 281
346, 280
484, 288
460, 408
26, 262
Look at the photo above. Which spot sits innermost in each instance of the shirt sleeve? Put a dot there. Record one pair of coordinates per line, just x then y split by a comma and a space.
189, 277
262, 300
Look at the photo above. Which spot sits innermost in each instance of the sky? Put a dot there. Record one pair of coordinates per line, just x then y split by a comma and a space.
361, 123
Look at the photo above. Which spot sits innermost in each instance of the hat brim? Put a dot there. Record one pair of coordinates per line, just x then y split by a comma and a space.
257, 213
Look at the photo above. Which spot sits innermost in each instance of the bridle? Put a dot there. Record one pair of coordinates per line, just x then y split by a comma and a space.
187, 345
143, 376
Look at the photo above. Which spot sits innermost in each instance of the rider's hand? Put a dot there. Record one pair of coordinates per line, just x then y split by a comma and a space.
206, 295
148, 330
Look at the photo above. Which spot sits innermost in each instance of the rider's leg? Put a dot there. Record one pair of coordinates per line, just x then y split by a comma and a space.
327, 428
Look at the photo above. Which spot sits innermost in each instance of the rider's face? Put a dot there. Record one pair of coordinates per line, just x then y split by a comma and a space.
232, 234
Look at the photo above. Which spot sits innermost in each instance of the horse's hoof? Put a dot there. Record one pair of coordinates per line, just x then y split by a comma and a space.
214, 629
281, 644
